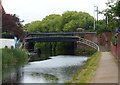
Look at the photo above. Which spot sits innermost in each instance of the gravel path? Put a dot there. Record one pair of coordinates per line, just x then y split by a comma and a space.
107, 70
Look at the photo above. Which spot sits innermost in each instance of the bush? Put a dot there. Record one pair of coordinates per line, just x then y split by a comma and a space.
13, 56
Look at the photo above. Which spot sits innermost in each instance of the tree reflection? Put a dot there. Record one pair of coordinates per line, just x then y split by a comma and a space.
11, 74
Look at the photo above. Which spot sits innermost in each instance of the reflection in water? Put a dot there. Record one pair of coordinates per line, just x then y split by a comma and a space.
11, 74
58, 69
47, 77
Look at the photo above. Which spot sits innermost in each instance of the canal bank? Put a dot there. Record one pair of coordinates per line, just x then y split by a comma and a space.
11, 56
87, 71
12, 60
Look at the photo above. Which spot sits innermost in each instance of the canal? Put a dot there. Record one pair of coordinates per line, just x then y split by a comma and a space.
56, 69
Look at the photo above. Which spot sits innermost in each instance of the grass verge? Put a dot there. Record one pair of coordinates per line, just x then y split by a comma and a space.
86, 72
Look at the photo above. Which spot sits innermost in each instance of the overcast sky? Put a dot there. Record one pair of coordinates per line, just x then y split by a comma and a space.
32, 10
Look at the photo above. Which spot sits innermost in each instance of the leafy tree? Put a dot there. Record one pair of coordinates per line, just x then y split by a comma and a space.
25, 27
12, 24
68, 22
33, 26
68, 16
53, 22
70, 26
101, 26
73, 20
116, 8
112, 18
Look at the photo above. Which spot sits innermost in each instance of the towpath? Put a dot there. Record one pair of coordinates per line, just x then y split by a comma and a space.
107, 70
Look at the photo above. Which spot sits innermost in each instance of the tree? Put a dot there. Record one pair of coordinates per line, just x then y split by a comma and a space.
73, 20
116, 8
68, 22
33, 27
111, 22
51, 23
117, 11
12, 24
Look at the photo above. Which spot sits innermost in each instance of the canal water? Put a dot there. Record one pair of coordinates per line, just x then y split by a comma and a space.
57, 69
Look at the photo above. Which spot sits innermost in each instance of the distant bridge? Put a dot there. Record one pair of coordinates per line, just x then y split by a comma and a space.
31, 38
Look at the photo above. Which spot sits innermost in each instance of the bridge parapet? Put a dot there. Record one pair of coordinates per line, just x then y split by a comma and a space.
89, 43
55, 34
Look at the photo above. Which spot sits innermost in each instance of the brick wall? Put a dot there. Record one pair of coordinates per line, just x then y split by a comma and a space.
83, 46
116, 49
99, 39
118, 46
109, 36
102, 40
91, 37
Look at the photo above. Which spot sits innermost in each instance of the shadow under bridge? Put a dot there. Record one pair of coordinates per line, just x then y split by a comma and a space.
30, 41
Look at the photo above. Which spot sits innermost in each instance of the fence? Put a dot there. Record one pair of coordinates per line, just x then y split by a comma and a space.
89, 43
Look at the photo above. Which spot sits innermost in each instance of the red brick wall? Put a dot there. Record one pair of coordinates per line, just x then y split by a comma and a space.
118, 46
98, 39
116, 49
101, 38
91, 37
109, 35
83, 46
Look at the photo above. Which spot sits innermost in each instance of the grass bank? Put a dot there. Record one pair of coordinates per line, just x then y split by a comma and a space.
86, 72
13, 56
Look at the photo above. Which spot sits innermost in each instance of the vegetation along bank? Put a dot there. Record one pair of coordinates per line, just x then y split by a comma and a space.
86, 72
13, 56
